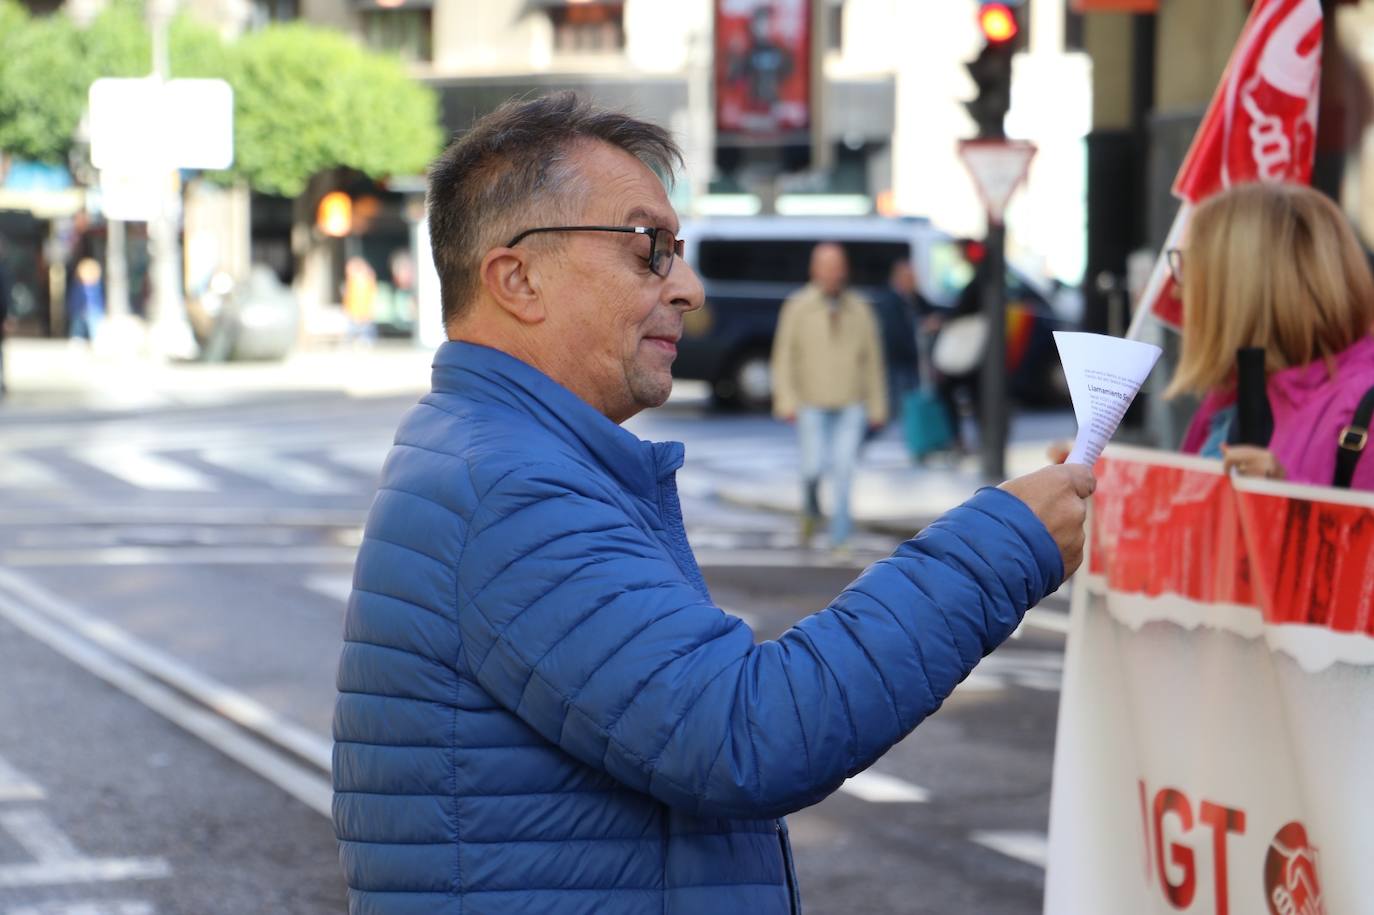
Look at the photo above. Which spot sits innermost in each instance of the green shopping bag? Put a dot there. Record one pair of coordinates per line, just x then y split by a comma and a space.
925, 423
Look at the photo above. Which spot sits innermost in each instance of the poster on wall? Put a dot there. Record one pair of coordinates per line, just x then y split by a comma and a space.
763, 72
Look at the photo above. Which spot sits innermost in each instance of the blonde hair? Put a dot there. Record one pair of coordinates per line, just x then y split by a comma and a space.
1274, 266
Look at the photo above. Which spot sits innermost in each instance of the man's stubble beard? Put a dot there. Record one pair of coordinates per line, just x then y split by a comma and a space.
648, 387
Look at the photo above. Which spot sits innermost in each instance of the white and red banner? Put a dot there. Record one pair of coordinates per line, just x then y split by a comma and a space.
1261, 126
1216, 727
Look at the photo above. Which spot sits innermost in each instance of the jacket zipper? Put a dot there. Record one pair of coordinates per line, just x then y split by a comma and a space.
793, 898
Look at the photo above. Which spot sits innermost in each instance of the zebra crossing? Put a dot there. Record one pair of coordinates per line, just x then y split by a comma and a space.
330, 470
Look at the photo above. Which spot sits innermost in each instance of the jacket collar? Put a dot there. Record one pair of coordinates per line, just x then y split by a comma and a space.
1299, 384
814, 297
482, 374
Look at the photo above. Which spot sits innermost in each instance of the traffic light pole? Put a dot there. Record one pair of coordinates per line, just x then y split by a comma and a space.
1000, 23
992, 436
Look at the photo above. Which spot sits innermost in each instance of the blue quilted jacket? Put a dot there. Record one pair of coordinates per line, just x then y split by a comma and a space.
541, 710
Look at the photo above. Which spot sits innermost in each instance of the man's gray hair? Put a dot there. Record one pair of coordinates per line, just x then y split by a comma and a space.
513, 166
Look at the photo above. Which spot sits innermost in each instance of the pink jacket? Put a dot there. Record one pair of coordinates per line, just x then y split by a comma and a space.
1310, 409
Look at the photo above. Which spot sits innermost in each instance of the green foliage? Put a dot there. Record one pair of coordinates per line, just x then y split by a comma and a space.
307, 99
47, 66
197, 51
116, 43
40, 91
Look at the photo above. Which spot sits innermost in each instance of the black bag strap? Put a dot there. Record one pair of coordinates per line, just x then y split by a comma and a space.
1353, 439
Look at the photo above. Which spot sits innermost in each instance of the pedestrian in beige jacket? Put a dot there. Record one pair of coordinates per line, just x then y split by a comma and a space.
828, 378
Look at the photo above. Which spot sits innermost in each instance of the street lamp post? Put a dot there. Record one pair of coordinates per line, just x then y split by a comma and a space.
170, 331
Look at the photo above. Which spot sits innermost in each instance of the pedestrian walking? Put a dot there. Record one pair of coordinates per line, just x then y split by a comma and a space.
360, 300
85, 300
961, 344
1277, 267
898, 308
6, 307
540, 708
828, 378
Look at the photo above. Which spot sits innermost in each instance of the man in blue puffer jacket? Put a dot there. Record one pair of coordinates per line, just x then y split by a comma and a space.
540, 708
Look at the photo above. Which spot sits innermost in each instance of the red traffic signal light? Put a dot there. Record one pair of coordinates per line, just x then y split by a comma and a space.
998, 23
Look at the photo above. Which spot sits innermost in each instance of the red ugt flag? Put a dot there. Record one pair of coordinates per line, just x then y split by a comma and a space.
1261, 126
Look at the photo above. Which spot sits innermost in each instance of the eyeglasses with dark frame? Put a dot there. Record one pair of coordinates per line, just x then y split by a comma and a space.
1175, 258
663, 246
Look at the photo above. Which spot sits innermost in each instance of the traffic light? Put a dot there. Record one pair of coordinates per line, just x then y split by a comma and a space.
1000, 25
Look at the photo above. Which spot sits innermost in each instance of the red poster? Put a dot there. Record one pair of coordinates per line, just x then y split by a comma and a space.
763, 71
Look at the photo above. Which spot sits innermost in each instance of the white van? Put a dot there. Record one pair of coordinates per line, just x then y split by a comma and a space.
749, 265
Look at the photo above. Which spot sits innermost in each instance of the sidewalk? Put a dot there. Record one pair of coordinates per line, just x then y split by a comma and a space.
891, 495
60, 374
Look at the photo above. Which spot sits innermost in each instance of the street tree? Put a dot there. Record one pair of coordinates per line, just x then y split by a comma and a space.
45, 71
307, 100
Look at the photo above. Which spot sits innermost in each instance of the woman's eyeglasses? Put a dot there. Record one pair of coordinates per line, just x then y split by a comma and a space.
1175, 258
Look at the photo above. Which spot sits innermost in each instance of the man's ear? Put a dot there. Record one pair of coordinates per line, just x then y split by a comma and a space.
505, 275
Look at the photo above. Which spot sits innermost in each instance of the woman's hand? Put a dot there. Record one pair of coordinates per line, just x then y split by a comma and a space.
1251, 461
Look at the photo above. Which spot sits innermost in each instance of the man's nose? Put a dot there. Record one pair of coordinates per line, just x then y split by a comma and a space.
684, 287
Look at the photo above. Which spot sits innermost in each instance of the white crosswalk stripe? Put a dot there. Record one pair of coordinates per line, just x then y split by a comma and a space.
277, 470
145, 469
19, 472
341, 470
877, 788
366, 458
86, 907
16, 786
1029, 847
334, 587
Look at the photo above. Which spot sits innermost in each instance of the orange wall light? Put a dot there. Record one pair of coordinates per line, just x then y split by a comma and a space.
335, 215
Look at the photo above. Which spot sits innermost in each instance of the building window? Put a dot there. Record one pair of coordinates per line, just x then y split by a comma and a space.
269, 11
588, 28
834, 25
407, 33
1073, 31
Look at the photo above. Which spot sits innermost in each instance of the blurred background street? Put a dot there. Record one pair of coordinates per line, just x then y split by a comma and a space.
217, 301
195, 549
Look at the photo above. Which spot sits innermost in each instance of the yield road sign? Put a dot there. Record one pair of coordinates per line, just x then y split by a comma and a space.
998, 168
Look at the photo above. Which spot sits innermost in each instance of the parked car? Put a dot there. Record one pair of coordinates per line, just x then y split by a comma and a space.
749, 265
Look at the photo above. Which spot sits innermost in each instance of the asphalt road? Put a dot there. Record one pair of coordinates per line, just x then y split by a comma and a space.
171, 594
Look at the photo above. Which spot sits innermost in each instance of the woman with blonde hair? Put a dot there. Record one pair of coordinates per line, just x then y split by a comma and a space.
1277, 267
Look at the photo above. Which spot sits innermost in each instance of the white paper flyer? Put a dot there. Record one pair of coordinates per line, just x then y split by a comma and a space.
1104, 374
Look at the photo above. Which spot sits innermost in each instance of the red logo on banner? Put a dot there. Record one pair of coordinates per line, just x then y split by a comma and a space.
1290, 874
